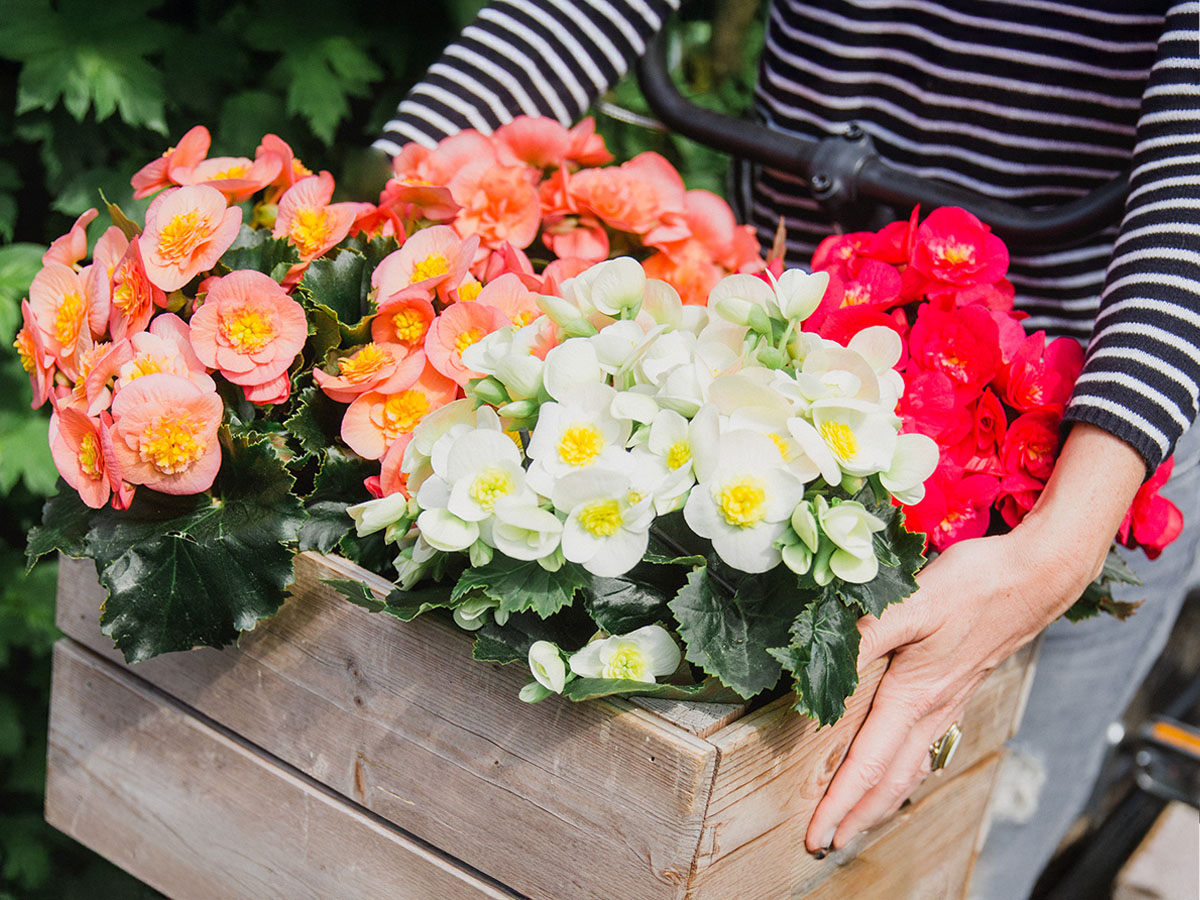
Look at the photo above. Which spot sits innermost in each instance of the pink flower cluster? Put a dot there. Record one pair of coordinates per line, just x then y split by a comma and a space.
990, 395
126, 357
539, 189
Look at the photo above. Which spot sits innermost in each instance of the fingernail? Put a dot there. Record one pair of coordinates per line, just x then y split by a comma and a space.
820, 854
827, 838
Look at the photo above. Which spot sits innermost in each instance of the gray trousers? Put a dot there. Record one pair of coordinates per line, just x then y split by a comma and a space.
1086, 675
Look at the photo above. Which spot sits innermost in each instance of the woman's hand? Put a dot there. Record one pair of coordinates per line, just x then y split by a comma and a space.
977, 603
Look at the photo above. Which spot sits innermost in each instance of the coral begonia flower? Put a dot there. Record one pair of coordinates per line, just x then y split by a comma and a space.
309, 220
434, 258
456, 329
1152, 521
248, 328
35, 359
58, 306
236, 177
507, 259
166, 347
953, 246
417, 165
585, 147
187, 230
122, 490
97, 278
79, 457
509, 295
165, 434
710, 220
386, 368
403, 318
173, 165
133, 296
291, 169
391, 479
499, 203
69, 249
688, 268
97, 368
537, 141
375, 421
582, 237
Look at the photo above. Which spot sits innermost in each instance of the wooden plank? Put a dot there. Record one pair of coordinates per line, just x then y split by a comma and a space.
700, 719
198, 814
1166, 864
924, 852
400, 719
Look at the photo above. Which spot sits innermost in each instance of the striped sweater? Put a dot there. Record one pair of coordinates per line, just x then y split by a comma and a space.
1030, 101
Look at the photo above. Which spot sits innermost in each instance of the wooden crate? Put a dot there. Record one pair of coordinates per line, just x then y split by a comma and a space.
337, 753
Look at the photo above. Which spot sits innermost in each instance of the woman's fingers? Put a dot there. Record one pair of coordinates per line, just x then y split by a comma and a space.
868, 761
911, 765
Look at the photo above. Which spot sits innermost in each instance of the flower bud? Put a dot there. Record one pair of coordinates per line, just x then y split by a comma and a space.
490, 390
546, 664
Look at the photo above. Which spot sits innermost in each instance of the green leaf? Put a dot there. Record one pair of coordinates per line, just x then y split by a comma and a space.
338, 486
521, 586
321, 76
188, 571
18, 264
901, 556
316, 421
510, 642
708, 691
255, 249
407, 605
339, 285
823, 658
619, 605
357, 592
488, 648
25, 452
729, 636
66, 520
673, 543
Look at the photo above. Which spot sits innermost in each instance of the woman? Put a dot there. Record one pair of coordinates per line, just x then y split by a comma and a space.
1030, 101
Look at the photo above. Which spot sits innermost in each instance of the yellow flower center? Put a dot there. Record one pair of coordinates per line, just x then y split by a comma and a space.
148, 365
954, 253
525, 318
628, 662
310, 230
403, 411
466, 338
490, 485
89, 457
179, 238
432, 266
856, 295
841, 440
469, 292
125, 298
247, 330
743, 501
679, 455
68, 319
580, 445
410, 325
300, 169
781, 445
365, 363
171, 442
24, 347
601, 519
238, 170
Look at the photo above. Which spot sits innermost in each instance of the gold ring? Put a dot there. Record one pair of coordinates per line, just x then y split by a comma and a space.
942, 750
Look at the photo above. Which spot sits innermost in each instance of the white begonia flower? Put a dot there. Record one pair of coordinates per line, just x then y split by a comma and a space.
546, 664
507, 355
485, 353
525, 531
614, 287
604, 532
378, 514
572, 363
473, 613
744, 503
482, 468
574, 434
915, 458
642, 655
734, 298
695, 318
566, 315
804, 523
616, 344
881, 347
861, 435
774, 424
434, 434
661, 304
815, 448
799, 293
668, 350
637, 406
833, 372
445, 531
849, 526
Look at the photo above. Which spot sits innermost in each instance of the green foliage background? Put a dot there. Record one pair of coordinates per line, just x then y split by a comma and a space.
89, 93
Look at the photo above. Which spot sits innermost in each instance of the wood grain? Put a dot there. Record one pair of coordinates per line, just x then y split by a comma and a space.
202, 816
400, 719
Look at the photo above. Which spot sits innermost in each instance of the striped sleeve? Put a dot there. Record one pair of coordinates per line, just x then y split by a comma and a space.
525, 57
1140, 379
